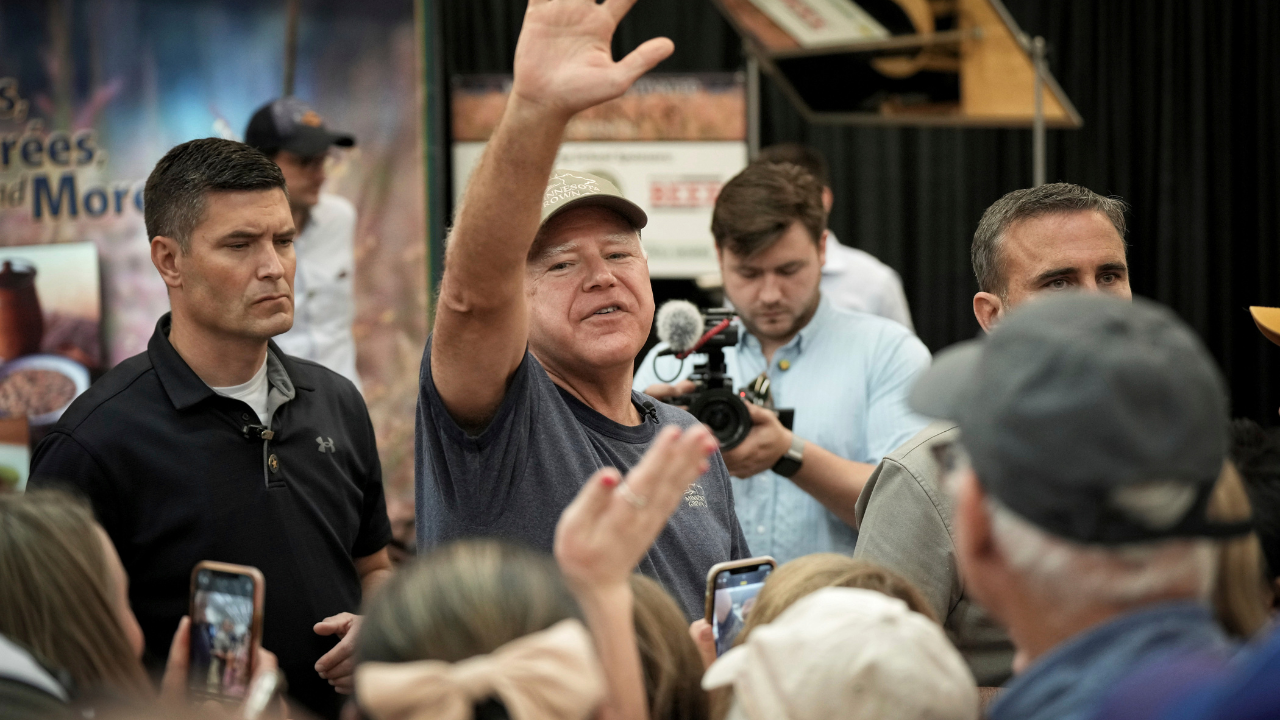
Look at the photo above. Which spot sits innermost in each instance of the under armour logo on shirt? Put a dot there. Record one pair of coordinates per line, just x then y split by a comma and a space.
326, 444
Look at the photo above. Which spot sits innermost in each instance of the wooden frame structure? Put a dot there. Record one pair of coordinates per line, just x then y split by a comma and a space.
968, 64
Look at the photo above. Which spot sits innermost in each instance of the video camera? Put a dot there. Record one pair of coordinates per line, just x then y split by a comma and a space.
713, 402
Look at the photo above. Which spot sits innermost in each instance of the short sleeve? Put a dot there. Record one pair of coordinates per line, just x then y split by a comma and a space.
470, 476
901, 529
375, 527
62, 463
890, 422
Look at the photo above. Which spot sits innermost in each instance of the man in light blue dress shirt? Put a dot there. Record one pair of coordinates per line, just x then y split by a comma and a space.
846, 374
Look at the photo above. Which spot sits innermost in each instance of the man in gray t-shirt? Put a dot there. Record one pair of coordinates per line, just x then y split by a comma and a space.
544, 304
514, 478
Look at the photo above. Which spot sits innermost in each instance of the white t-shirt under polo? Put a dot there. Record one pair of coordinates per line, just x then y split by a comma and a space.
252, 393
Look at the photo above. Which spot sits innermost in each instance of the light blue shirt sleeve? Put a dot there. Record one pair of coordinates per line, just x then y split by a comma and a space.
890, 422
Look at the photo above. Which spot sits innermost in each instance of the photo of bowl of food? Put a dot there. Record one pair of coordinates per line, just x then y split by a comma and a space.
40, 387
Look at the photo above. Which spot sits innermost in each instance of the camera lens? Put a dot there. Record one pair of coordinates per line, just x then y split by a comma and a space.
726, 415
718, 417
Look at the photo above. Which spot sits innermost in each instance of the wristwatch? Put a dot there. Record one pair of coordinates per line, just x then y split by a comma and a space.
790, 462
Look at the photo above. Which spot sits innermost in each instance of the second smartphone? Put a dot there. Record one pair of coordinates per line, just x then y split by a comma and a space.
226, 624
731, 593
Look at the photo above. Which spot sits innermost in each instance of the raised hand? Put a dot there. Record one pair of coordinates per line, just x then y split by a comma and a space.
600, 539
608, 528
564, 60
173, 685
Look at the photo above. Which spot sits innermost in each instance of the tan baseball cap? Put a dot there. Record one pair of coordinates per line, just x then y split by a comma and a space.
1268, 321
570, 188
848, 653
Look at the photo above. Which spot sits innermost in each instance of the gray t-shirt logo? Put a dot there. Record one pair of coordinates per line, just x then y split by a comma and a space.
694, 497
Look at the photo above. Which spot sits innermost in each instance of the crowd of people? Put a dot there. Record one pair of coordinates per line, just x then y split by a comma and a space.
1055, 520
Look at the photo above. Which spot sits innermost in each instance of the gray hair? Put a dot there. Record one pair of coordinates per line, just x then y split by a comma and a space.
1026, 204
1078, 575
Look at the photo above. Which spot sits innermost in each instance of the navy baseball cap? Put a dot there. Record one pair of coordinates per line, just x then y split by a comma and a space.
290, 124
1074, 398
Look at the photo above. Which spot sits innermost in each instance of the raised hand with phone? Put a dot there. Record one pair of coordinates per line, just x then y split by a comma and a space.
264, 690
216, 659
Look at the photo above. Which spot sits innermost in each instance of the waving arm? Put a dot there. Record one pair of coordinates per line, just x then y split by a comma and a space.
563, 65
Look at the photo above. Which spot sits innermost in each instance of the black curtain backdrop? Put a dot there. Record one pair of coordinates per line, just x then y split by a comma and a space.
1181, 101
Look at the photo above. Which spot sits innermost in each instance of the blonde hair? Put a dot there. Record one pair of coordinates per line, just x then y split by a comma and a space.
464, 599
1240, 595
672, 665
808, 574
57, 596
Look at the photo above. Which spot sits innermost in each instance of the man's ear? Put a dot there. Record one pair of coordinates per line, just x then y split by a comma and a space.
828, 200
822, 247
975, 542
989, 309
165, 254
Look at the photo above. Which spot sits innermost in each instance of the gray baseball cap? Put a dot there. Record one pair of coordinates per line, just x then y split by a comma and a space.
570, 188
1076, 397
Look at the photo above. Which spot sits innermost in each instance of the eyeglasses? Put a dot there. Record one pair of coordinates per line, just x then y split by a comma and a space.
951, 458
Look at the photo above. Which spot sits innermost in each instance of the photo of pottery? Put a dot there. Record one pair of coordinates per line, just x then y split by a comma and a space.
50, 330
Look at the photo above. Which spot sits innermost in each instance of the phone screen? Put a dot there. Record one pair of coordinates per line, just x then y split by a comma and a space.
735, 595
221, 624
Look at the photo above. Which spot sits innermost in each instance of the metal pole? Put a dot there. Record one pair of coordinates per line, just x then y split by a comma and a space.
753, 106
290, 46
1037, 126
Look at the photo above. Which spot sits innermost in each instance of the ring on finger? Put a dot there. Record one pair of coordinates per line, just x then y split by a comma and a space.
636, 501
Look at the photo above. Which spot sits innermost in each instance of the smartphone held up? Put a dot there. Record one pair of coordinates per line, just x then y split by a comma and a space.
226, 626
731, 593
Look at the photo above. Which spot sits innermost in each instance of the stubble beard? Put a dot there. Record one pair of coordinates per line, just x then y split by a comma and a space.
797, 323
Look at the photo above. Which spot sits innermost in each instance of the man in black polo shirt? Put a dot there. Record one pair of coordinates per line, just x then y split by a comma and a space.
214, 445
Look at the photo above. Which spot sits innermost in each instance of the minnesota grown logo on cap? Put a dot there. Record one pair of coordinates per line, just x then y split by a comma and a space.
567, 186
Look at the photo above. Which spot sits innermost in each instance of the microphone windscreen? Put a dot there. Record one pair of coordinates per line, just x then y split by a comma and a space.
679, 324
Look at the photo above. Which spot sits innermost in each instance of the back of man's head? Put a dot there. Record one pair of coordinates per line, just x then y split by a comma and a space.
1027, 204
1097, 432
797, 154
176, 191
1256, 453
762, 202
